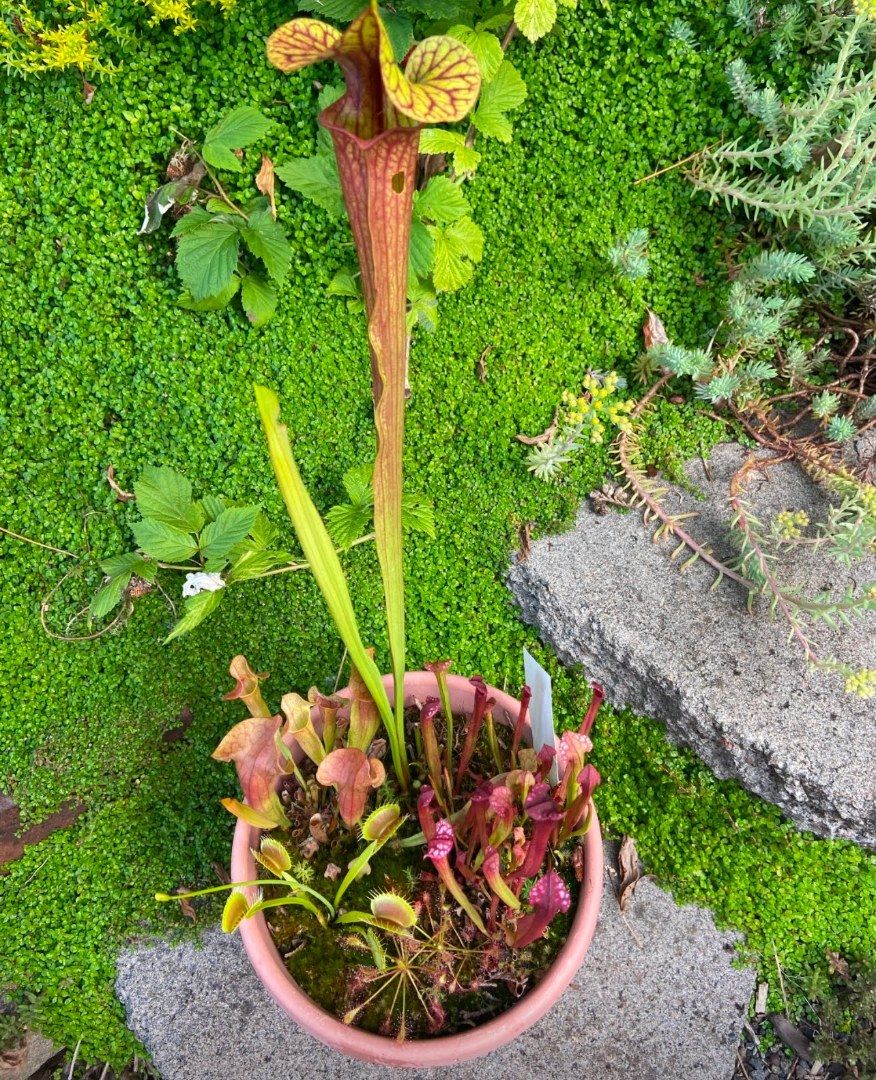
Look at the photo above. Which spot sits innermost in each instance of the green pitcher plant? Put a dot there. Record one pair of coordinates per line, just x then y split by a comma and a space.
375, 127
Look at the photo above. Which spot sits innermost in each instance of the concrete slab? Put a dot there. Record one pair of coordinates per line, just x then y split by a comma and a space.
727, 684
657, 997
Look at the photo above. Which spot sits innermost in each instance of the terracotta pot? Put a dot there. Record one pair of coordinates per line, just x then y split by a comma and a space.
447, 1049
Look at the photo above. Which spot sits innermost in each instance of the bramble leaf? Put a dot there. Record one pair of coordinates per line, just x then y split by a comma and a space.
259, 299
165, 495
440, 202
239, 128
266, 239
535, 17
439, 141
486, 47
206, 256
316, 178
229, 528
507, 91
457, 247
210, 303
197, 608
163, 541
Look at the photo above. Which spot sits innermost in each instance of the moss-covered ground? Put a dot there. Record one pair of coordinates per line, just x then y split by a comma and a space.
100, 367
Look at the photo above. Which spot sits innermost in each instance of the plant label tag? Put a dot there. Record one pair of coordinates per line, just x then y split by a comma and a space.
541, 708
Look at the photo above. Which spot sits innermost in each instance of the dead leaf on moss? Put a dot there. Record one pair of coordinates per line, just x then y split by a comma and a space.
186, 905
524, 541
578, 862
546, 435
317, 829
264, 181
121, 494
629, 870
654, 332
332, 871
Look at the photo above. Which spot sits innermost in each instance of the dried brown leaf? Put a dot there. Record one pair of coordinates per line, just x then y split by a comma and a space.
629, 870
791, 1036
578, 862
654, 332
264, 181
121, 494
317, 829
186, 905
332, 871
546, 435
524, 541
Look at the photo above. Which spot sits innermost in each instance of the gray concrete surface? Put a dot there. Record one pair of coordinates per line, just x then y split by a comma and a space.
727, 684
656, 999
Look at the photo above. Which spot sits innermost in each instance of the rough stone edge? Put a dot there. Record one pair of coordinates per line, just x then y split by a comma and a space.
682, 714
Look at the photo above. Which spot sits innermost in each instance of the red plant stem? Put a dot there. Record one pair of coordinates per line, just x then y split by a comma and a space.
473, 729
430, 744
595, 705
525, 697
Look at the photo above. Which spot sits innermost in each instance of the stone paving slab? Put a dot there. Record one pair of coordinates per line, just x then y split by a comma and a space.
656, 998
727, 684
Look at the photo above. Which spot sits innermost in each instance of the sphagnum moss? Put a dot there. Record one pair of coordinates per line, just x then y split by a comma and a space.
101, 367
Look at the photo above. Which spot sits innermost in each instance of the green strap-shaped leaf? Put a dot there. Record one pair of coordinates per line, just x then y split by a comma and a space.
321, 555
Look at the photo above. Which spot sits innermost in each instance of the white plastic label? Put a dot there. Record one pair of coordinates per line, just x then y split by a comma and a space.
541, 708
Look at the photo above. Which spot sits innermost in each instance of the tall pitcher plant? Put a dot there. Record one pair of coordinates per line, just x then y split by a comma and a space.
375, 128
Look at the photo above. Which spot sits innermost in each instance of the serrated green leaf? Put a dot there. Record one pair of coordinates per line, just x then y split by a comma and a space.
486, 47
196, 217
457, 247
423, 309
316, 178
241, 127
109, 596
206, 258
346, 523
418, 514
197, 608
507, 91
339, 10
252, 562
439, 141
163, 541
131, 562
232, 525
165, 495
440, 202
213, 506
210, 303
535, 17
266, 239
264, 532
259, 299
358, 484
421, 253
220, 157
345, 283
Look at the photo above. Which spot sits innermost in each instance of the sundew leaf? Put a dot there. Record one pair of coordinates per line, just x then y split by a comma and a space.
197, 608
535, 17
316, 178
486, 47
165, 495
232, 525
206, 257
163, 541
266, 240
440, 202
259, 299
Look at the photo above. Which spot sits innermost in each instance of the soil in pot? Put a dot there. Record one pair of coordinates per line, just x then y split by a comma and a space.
443, 977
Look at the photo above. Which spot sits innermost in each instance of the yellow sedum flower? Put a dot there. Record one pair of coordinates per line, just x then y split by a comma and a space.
867, 8
862, 683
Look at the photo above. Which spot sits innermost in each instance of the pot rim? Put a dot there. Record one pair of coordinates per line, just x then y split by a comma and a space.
442, 1049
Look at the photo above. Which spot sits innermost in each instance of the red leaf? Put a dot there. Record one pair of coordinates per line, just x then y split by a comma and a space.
353, 775
252, 746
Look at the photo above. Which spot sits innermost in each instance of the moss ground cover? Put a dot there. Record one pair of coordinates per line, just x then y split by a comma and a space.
101, 367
